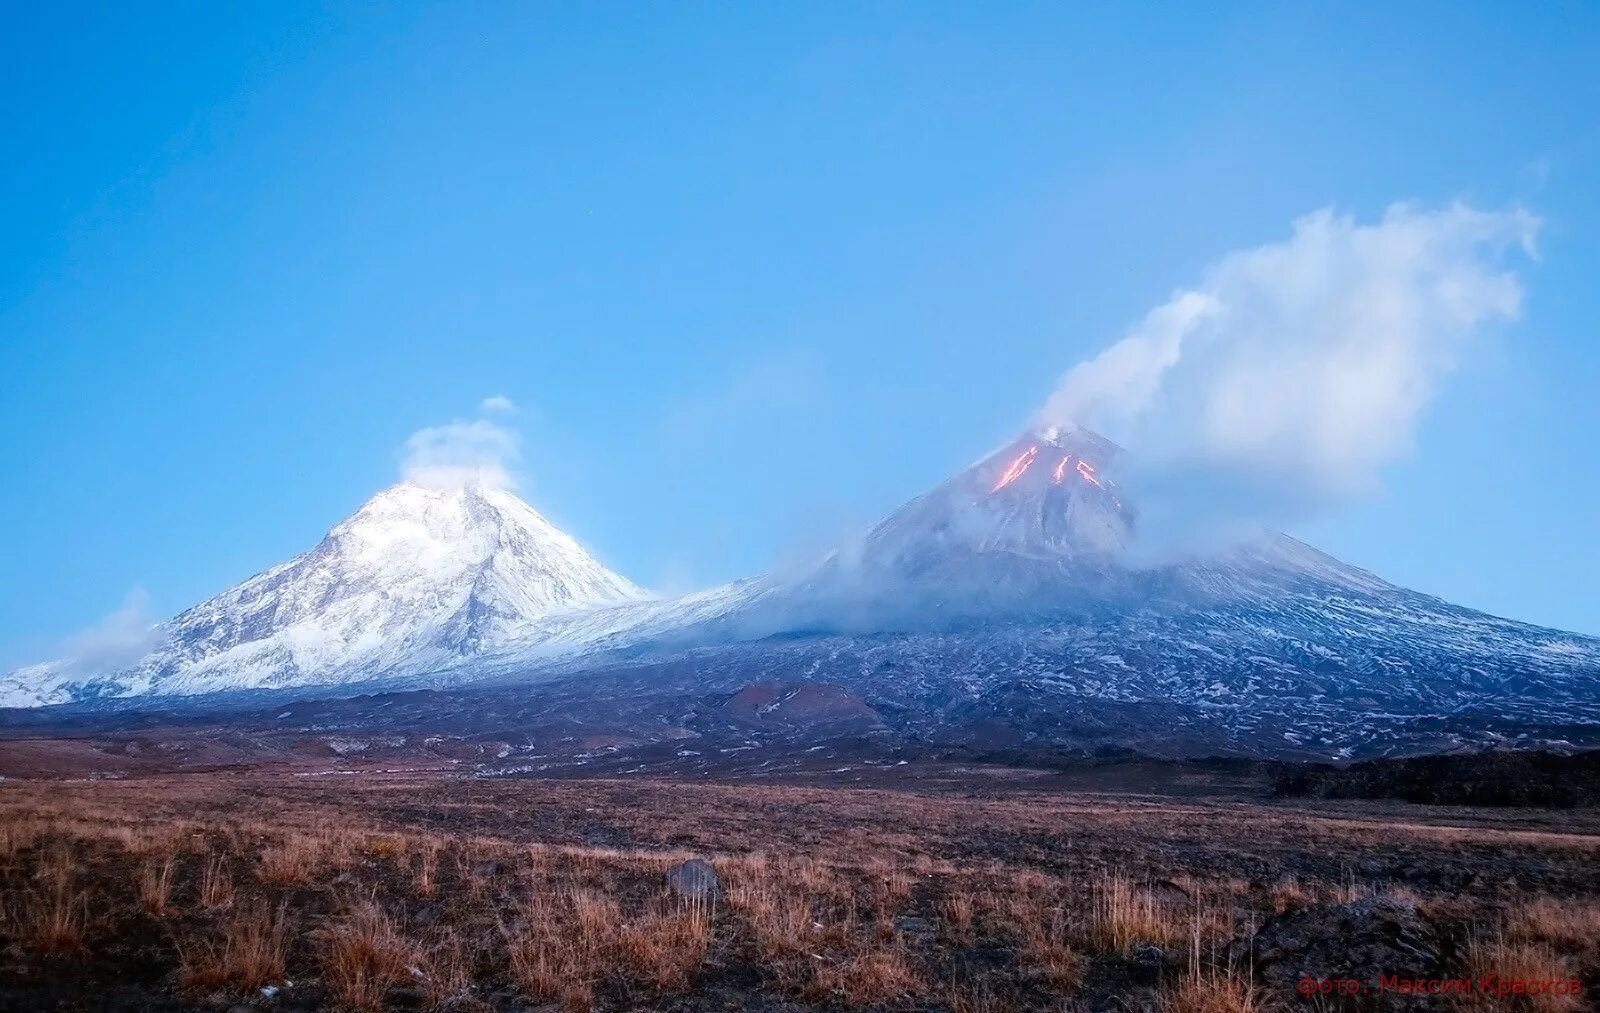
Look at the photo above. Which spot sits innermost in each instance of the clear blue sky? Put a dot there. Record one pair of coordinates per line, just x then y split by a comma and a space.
755, 272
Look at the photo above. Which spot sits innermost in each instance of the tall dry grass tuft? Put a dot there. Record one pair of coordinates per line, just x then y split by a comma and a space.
385, 846
427, 880
216, 883
55, 915
559, 949
293, 860
1216, 991
1047, 948
892, 887
1565, 923
1501, 958
781, 921
366, 956
958, 909
972, 997
155, 884
546, 964
1125, 914
1289, 894
364, 953
1213, 985
665, 948
56, 864
252, 952
447, 971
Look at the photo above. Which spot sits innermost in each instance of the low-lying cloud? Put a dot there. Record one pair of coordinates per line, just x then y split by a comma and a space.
1294, 372
117, 640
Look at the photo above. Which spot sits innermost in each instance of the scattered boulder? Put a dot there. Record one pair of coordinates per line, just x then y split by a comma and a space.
695, 879
1147, 962
1361, 940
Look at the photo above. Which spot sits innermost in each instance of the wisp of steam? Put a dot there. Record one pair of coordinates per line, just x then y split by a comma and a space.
1287, 379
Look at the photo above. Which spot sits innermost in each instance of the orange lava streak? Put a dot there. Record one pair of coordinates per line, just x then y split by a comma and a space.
1061, 471
1087, 471
1018, 466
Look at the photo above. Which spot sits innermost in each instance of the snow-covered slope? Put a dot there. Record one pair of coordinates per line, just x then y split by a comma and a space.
415, 580
1011, 598
1007, 597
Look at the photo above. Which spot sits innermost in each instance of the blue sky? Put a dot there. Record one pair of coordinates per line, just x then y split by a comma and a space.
754, 273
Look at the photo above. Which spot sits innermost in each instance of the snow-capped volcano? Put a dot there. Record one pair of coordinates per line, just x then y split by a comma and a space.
1004, 605
416, 579
1041, 526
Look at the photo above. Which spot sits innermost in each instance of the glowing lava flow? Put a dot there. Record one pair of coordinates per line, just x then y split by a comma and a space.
1087, 471
1017, 467
1061, 471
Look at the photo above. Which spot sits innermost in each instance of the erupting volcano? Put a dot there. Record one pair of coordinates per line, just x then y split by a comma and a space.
1016, 469
1002, 607
1005, 604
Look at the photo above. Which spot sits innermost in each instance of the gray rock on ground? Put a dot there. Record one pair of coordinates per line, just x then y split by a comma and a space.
1364, 939
695, 879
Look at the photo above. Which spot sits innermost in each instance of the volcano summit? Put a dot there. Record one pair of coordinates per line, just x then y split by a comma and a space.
418, 577
1003, 607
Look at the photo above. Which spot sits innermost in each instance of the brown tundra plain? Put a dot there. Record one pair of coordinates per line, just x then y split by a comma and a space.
366, 890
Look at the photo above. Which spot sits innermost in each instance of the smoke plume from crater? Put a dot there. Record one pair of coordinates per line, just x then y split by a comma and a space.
1287, 379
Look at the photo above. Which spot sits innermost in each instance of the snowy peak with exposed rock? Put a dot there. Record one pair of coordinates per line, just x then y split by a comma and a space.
1041, 526
416, 579
1011, 605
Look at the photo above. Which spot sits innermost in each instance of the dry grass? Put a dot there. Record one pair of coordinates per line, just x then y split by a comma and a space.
883, 911
293, 860
366, 956
427, 881
1047, 948
874, 977
385, 846
251, 952
1216, 991
551, 964
957, 908
216, 883
894, 886
1498, 958
1570, 924
53, 916
1290, 893
155, 884
665, 948
781, 921
17, 835
57, 865
447, 971
1126, 913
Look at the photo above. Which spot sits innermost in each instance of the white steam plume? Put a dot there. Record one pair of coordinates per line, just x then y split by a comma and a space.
118, 639
461, 453
1295, 371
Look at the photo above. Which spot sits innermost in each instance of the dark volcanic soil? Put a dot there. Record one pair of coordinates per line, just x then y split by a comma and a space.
988, 888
